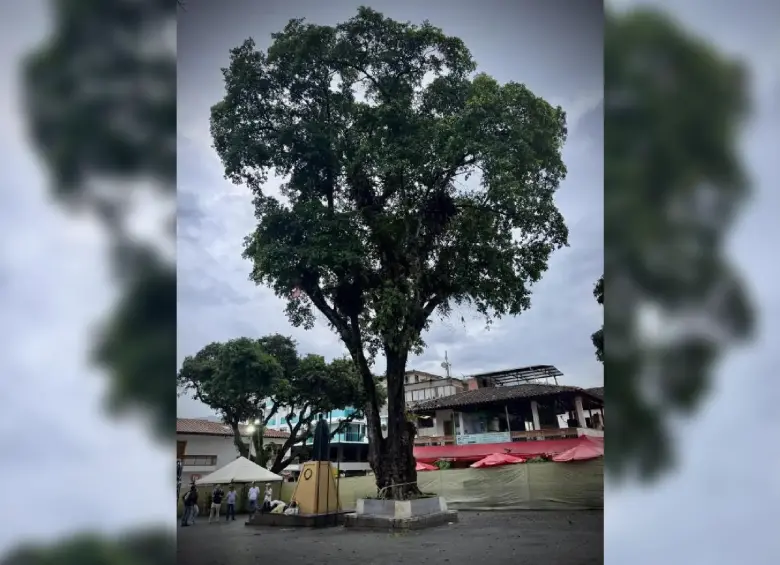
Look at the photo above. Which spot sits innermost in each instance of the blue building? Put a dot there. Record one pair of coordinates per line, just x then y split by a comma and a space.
348, 448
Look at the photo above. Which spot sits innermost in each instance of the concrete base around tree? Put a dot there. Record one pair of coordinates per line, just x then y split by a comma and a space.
417, 514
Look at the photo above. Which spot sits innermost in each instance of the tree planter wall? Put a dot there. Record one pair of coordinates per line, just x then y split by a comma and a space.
414, 514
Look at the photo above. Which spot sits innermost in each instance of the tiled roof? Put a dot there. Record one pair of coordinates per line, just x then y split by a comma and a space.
597, 391
205, 427
495, 394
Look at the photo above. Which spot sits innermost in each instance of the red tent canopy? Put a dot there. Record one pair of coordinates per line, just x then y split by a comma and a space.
425, 467
496, 460
586, 449
475, 452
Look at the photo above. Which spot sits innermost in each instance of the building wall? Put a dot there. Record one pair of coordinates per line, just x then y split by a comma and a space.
221, 447
420, 386
201, 445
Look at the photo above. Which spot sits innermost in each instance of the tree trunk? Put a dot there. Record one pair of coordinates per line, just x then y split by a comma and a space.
238, 441
258, 439
392, 458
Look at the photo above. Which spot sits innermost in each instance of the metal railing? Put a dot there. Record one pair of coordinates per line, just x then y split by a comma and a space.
383, 489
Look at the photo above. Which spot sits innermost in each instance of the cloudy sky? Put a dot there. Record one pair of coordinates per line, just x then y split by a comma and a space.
61, 456
557, 53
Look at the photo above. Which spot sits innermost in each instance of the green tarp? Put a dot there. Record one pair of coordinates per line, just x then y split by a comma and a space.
527, 486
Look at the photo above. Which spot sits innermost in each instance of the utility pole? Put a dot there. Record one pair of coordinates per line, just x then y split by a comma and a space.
446, 365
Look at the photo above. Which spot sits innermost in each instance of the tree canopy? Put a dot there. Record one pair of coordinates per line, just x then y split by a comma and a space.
373, 223
411, 185
238, 378
104, 126
673, 185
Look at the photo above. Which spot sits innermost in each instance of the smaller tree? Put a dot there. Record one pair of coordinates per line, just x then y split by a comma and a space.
237, 379
598, 336
233, 378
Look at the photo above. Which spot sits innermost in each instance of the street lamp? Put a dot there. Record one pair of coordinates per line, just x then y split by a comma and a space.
251, 429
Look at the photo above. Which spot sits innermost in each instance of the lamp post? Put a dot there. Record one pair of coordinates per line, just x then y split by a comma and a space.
253, 429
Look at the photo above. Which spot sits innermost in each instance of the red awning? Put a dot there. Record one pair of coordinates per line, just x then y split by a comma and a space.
475, 452
586, 449
496, 460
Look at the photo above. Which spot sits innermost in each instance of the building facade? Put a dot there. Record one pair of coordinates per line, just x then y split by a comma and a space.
420, 386
493, 410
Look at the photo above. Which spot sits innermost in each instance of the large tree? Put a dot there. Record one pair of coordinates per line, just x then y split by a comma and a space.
376, 125
251, 380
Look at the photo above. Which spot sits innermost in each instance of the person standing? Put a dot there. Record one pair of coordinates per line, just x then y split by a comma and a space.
216, 503
190, 500
267, 498
231, 504
254, 492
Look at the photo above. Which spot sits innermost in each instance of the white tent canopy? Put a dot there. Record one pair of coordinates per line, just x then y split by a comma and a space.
242, 470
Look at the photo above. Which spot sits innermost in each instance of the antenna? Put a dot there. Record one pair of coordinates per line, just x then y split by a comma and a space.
446, 365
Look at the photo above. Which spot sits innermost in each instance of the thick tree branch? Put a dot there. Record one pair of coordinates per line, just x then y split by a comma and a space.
317, 297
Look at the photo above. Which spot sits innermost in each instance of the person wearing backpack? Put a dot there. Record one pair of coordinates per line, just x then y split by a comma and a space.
190, 502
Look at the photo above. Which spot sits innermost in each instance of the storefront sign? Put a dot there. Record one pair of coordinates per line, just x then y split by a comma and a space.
490, 437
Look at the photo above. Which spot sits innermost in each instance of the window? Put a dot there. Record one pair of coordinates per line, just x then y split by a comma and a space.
181, 446
425, 423
408, 396
428, 393
199, 460
417, 395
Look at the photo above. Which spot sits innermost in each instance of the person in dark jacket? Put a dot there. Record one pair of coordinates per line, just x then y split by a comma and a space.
190, 502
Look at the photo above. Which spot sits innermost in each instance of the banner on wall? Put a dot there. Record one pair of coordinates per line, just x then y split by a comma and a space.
489, 437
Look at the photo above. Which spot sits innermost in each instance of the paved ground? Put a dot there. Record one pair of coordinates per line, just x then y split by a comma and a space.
480, 538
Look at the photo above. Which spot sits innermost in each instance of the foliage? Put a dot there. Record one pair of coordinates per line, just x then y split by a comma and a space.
141, 548
539, 459
442, 464
598, 336
102, 115
236, 378
376, 125
673, 186
233, 378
